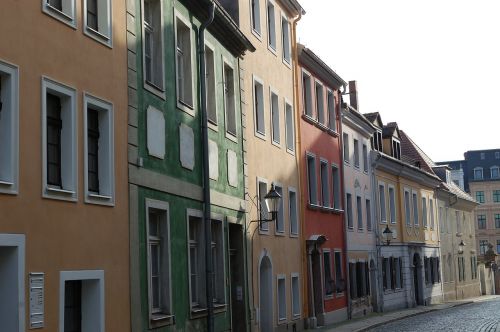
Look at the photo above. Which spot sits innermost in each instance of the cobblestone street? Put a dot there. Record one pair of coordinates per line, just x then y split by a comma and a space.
481, 316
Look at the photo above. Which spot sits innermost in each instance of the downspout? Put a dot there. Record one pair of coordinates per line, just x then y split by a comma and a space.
378, 248
206, 179
347, 276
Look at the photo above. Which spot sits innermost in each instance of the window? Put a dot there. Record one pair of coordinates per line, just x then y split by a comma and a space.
332, 112
368, 215
281, 298
338, 273
290, 127
320, 106
336, 187
480, 196
498, 246
280, 218
157, 226
98, 20
356, 153
307, 94
349, 211
483, 246
99, 147
482, 155
478, 173
481, 221
459, 222
383, 212
386, 273
359, 211
153, 45
352, 280
292, 205
496, 196
255, 15
311, 179
59, 141
63, 10
271, 25
211, 84
81, 302
295, 295
365, 158
497, 155
497, 220
396, 272
9, 128
424, 211
415, 209
396, 149
431, 207
427, 269
441, 219
183, 63
329, 284
495, 173
460, 271
392, 205
218, 277
285, 40
407, 208
275, 118
345, 141
325, 185
229, 100
263, 213
258, 104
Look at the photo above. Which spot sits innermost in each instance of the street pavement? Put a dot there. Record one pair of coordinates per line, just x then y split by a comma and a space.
481, 314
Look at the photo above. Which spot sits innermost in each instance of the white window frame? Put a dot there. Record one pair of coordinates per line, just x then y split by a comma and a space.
349, 211
345, 148
274, 110
67, 15
9, 146
213, 70
359, 212
425, 212
104, 33
200, 282
336, 187
431, 213
68, 142
156, 317
393, 215
261, 205
271, 28
106, 151
482, 173
312, 188
408, 207
151, 86
281, 211
229, 134
331, 110
221, 266
365, 158
325, 183
286, 41
383, 216
184, 104
414, 193
290, 210
355, 147
319, 101
85, 275
257, 29
261, 109
18, 241
307, 95
368, 209
497, 170
290, 141
281, 319
295, 297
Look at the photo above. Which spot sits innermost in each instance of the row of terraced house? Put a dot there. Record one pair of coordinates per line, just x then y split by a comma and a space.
187, 165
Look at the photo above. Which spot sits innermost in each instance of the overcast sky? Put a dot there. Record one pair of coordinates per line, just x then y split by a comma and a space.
432, 66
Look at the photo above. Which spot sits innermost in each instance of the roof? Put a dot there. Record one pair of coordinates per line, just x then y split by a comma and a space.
314, 63
294, 6
454, 189
410, 149
389, 129
374, 118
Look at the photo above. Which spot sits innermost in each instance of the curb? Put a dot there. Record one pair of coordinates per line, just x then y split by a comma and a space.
411, 315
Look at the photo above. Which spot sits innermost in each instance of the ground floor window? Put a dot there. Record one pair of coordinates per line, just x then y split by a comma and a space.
359, 279
392, 272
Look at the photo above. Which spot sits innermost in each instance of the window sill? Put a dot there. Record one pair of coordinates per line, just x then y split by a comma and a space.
99, 37
276, 144
232, 137
287, 63
272, 49
260, 135
198, 312
158, 320
185, 107
279, 233
313, 206
256, 34
59, 15
92, 198
61, 194
7, 187
291, 152
154, 89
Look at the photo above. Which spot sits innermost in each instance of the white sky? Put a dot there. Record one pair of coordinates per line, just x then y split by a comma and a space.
432, 66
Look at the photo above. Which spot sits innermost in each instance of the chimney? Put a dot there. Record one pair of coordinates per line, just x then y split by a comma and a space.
353, 94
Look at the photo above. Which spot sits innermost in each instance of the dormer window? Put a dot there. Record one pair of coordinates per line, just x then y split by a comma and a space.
478, 173
376, 141
495, 172
396, 149
448, 176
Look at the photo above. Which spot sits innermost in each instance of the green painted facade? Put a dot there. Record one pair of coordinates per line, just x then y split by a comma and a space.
161, 171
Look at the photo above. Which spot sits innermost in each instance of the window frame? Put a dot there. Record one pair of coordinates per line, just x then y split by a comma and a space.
480, 197
325, 183
348, 213
365, 158
270, 46
286, 42
368, 209
327, 252
355, 143
293, 234
425, 213
497, 170
408, 207
257, 81
331, 110
338, 267
292, 117
257, 26
295, 297
184, 105
359, 212
382, 208
229, 134
481, 222
260, 212
106, 107
70, 191
280, 231
416, 214
280, 319
211, 123
336, 187
319, 102
106, 37
307, 95
66, 16
478, 169
274, 110
10, 184
393, 210
312, 191
345, 148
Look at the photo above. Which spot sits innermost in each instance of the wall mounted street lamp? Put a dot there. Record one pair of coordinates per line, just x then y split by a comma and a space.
272, 201
387, 234
461, 247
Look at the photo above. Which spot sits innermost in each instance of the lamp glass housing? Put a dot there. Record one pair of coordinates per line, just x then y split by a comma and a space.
272, 200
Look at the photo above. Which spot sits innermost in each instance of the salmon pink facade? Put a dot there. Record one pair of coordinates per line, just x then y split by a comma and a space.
319, 136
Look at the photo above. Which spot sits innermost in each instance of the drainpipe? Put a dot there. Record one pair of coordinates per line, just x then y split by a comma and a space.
206, 179
378, 248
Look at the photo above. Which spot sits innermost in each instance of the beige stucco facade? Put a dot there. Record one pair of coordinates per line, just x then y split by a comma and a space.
275, 254
50, 231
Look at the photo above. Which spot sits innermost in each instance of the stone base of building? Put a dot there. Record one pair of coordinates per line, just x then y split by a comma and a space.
332, 317
361, 307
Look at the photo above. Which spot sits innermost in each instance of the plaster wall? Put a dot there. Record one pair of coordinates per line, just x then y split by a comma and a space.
62, 235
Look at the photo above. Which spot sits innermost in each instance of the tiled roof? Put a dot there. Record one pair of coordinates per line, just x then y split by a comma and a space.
389, 129
371, 116
411, 150
454, 189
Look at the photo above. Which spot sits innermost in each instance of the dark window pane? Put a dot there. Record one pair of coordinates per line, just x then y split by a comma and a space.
54, 127
73, 306
92, 14
93, 149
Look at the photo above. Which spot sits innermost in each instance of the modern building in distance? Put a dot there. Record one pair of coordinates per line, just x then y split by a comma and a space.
359, 206
320, 152
63, 168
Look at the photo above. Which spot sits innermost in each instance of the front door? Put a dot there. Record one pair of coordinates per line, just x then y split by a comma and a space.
9, 289
317, 284
416, 278
236, 266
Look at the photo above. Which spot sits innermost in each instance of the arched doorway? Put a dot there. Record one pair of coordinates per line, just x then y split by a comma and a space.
266, 294
417, 267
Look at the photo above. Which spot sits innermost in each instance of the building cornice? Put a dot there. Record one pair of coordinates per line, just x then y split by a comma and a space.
358, 122
312, 62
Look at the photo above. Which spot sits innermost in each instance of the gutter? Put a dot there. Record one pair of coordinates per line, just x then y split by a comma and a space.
206, 165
